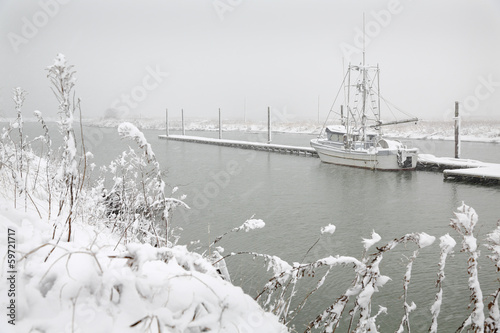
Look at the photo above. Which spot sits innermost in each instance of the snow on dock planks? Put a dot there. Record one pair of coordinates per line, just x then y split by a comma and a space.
488, 175
461, 169
305, 151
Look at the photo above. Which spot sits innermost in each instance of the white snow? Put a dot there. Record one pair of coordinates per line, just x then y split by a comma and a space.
447, 243
278, 265
237, 142
128, 130
252, 224
490, 172
367, 243
493, 239
329, 229
425, 240
86, 286
60, 60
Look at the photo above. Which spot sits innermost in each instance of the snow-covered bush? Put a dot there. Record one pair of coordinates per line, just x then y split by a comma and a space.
76, 273
87, 286
136, 205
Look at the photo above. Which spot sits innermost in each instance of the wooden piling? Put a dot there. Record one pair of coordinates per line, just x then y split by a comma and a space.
318, 109
220, 126
268, 124
457, 131
182, 121
166, 123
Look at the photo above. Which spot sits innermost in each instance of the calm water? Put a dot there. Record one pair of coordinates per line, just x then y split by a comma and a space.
296, 196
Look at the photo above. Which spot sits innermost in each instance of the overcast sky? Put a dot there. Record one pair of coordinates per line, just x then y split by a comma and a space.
140, 57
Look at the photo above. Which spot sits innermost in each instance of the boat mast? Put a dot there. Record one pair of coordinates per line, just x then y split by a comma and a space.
348, 106
363, 39
378, 99
363, 86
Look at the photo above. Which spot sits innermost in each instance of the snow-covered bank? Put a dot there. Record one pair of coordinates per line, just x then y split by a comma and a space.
479, 131
88, 286
209, 125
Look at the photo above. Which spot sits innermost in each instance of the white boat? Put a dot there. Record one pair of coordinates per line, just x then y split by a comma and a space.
358, 141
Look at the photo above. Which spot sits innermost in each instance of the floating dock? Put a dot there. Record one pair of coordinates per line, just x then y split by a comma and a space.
452, 168
460, 169
483, 174
433, 163
271, 147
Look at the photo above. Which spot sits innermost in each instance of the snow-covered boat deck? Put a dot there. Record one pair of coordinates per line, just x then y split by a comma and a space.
306, 151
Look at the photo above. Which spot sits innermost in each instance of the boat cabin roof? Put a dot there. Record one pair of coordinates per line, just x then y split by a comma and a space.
338, 129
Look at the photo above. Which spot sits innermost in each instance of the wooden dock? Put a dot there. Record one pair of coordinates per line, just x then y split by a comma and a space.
452, 168
432, 163
455, 169
482, 175
271, 147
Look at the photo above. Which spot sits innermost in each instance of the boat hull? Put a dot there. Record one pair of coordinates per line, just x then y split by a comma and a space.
375, 159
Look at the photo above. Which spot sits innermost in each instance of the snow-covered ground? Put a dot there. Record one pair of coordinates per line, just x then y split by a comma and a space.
471, 130
86, 285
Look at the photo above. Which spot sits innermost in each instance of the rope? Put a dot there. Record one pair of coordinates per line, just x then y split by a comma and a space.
334, 101
394, 106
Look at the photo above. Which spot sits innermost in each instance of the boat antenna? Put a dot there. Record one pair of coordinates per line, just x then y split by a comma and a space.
364, 37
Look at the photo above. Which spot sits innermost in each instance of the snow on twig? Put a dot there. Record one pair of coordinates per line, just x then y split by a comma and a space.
250, 224
493, 239
329, 229
464, 222
367, 243
446, 244
129, 130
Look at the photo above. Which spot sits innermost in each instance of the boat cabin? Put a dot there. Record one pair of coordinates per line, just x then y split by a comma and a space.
338, 134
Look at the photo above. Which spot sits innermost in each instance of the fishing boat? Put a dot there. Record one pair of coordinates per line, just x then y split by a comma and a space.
357, 140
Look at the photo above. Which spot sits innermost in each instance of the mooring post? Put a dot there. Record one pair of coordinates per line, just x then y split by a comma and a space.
268, 124
457, 131
182, 121
220, 126
318, 109
166, 122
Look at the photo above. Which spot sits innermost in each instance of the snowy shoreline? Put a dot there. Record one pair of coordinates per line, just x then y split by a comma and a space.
472, 131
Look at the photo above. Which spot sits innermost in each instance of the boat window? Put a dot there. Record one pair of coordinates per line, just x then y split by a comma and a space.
383, 144
335, 137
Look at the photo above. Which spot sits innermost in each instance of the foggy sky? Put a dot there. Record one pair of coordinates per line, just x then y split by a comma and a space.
140, 57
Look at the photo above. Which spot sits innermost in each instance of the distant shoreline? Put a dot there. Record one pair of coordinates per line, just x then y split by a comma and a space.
472, 131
